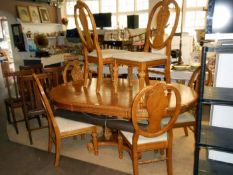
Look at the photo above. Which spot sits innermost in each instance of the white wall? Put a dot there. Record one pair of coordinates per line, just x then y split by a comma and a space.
12, 20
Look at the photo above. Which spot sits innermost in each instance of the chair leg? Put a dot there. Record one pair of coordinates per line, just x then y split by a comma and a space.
39, 121
57, 151
186, 131
120, 146
167, 72
8, 113
130, 75
14, 120
147, 80
30, 136
27, 123
50, 142
115, 77
111, 72
169, 160
95, 142
135, 160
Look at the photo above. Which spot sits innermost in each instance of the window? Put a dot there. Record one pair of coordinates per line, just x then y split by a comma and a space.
142, 5
70, 7
114, 21
71, 23
126, 6
93, 5
194, 20
119, 9
108, 6
194, 13
143, 19
122, 21
196, 3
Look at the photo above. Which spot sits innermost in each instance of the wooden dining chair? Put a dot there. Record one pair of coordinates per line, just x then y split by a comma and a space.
14, 98
156, 38
92, 51
153, 100
32, 106
57, 74
60, 128
188, 119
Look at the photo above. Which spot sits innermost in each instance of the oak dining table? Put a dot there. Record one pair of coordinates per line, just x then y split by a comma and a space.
73, 96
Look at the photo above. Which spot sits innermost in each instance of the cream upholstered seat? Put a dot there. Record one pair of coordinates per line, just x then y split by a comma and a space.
60, 128
144, 140
138, 56
108, 53
66, 125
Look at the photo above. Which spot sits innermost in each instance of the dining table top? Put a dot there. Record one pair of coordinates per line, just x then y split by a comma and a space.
74, 96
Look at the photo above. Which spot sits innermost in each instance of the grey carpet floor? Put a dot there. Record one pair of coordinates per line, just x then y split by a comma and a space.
108, 156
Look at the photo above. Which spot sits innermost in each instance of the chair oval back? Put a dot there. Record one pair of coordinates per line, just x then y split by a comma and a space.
82, 15
194, 81
155, 101
159, 15
72, 69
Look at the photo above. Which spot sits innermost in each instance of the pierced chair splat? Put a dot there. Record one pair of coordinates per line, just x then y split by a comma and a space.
153, 100
72, 72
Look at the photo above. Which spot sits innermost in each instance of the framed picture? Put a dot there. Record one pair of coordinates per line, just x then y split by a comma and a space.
44, 14
34, 14
23, 13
